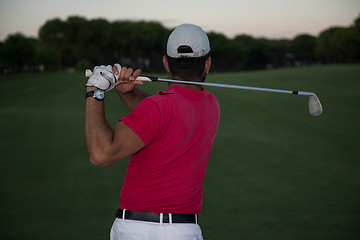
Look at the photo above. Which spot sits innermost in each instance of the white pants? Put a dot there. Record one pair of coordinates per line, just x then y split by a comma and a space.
141, 230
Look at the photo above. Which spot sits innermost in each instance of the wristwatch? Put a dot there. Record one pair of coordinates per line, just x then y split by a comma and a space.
97, 94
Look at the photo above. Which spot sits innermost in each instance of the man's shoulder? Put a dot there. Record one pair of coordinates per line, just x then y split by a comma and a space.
155, 101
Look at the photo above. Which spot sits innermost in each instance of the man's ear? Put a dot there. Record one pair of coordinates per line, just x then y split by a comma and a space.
166, 64
207, 65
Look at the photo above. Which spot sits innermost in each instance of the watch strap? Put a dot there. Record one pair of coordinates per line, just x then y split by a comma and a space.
90, 94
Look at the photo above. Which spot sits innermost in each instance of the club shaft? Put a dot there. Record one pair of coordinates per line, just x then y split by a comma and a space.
155, 79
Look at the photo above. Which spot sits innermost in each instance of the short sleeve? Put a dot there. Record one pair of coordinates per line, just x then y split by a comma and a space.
144, 120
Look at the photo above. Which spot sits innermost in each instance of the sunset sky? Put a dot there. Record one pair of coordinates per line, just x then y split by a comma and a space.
259, 18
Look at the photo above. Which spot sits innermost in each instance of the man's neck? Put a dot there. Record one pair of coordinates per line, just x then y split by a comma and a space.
190, 86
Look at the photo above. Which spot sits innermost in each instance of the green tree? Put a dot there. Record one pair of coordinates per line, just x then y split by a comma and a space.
257, 51
356, 36
97, 42
337, 45
278, 53
2, 60
46, 56
139, 44
54, 33
303, 46
18, 52
226, 53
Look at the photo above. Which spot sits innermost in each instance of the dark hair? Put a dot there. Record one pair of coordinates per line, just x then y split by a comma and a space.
188, 68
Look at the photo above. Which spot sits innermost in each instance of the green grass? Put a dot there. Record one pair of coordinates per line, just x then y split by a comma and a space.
275, 171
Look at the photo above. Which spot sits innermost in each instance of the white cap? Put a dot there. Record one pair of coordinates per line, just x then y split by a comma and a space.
188, 40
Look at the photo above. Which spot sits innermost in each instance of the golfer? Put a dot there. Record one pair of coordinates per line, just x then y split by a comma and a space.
169, 137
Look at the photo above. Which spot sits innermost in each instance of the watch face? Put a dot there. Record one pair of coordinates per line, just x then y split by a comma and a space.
99, 94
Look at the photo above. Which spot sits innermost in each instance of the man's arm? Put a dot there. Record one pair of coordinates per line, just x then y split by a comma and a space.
130, 95
104, 144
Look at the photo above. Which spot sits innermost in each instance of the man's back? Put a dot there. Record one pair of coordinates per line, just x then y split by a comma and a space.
178, 128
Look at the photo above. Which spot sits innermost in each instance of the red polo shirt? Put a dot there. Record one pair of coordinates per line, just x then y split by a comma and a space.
178, 128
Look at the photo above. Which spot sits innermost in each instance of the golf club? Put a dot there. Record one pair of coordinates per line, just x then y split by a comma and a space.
315, 107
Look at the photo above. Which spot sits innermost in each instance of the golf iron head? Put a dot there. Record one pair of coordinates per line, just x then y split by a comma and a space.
315, 107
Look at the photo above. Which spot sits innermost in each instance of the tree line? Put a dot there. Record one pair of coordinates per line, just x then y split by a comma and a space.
78, 43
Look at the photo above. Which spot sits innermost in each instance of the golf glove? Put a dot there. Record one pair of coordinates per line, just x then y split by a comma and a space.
103, 77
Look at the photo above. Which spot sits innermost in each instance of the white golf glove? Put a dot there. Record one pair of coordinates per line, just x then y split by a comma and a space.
103, 77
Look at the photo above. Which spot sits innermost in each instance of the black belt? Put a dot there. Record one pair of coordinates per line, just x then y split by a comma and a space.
155, 217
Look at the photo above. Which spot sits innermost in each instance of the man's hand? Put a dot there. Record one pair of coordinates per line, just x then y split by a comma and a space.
127, 82
104, 78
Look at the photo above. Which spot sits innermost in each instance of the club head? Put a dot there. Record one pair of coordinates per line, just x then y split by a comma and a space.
315, 107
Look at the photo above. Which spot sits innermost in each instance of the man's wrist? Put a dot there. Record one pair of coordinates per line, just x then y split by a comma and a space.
88, 89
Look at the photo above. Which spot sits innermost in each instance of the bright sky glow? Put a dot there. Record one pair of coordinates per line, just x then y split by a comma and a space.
259, 18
